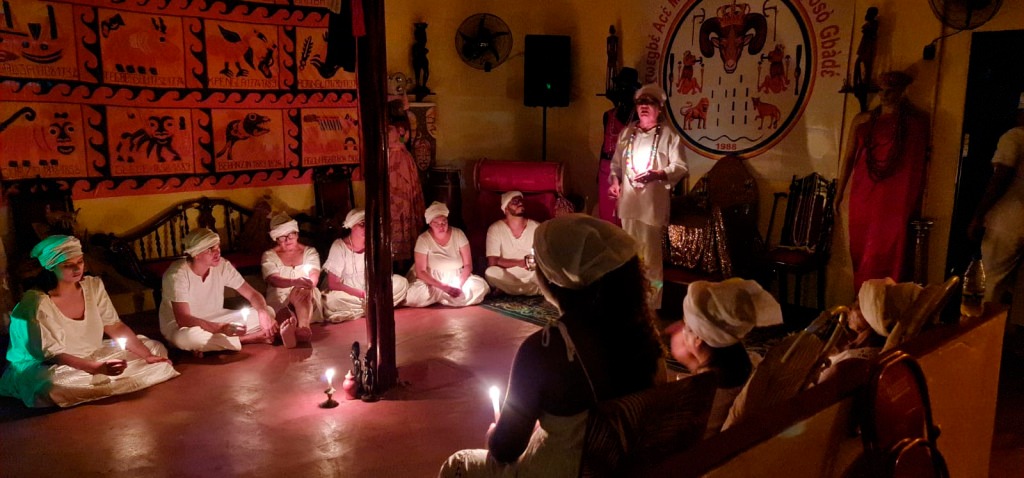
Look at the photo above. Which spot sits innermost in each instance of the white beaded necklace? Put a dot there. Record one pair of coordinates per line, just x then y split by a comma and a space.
629, 154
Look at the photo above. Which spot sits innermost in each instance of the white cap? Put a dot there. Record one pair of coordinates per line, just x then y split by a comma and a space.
282, 225
508, 197
435, 209
574, 250
722, 313
652, 91
354, 217
199, 240
883, 301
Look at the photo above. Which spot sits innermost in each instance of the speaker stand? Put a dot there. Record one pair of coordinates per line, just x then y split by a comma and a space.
544, 135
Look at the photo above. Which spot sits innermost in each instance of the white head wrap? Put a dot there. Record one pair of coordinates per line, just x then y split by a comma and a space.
722, 313
282, 225
652, 91
574, 250
435, 209
508, 197
354, 217
883, 301
56, 249
199, 240
1020, 102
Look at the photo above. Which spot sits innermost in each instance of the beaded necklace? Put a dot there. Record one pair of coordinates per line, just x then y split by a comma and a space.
629, 154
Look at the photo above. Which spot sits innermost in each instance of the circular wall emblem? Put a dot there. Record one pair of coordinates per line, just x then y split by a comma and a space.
738, 75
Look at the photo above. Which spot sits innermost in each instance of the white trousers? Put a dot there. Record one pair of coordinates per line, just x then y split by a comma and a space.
340, 306
423, 295
71, 386
650, 238
1003, 253
198, 340
512, 281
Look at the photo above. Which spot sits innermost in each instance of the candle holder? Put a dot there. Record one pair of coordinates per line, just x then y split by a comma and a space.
330, 402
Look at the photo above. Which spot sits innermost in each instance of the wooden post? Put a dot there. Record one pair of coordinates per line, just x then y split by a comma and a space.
380, 314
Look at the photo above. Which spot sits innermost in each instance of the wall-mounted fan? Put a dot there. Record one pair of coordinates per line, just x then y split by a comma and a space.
483, 41
960, 15
965, 14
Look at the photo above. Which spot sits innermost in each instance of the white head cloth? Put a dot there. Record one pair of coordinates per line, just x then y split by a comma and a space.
508, 197
722, 313
435, 209
651, 91
883, 301
1020, 102
199, 240
574, 250
54, 250
282, 225
354, 217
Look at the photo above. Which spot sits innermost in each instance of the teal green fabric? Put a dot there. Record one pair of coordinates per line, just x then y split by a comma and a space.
27, 378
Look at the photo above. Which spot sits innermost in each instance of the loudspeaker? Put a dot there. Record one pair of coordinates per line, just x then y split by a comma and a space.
546, 72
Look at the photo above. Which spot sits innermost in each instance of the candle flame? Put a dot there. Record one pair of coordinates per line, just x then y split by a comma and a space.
330, 376
495, 393
306, 268
245, 313
123, 342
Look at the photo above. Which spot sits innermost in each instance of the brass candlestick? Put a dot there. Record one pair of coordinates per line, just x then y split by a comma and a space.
330, 402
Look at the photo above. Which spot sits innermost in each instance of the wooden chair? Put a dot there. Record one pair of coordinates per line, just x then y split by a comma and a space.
628, 433
806, 236
898, 433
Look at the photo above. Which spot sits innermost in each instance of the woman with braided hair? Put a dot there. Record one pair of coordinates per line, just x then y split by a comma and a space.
884, 168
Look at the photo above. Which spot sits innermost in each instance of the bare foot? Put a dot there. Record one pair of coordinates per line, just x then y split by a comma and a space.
288, 333
304, 334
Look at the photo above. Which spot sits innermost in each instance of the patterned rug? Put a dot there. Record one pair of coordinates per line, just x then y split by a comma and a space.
533, 309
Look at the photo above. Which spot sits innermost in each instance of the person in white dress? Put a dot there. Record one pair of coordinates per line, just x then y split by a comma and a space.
57, 353
648, 162
603, 346
509, 242
291, 270
443, 272
192, 313
345, 298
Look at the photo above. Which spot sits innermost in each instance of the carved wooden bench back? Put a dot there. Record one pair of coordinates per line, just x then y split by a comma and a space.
161, 238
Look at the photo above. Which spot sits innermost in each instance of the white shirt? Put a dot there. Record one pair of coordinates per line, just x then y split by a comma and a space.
648, 203
502, 243
349, 266
1007, 213
204, 298
445, 258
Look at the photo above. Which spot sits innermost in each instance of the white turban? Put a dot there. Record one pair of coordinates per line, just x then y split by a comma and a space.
651, 91
282, 225
722, 313
199, 240
883, 301
54, 250
354, 217
574, 250
435, 209
508, 197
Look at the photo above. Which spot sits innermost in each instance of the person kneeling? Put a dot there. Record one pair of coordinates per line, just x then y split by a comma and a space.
192, 313
346, 273
510, 249
57, 354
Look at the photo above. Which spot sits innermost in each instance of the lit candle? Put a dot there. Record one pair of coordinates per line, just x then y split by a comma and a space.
494, 401
123, 343
306, 268
330, 377
245, 314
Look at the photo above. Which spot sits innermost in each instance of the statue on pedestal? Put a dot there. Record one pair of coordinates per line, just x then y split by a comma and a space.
420, 63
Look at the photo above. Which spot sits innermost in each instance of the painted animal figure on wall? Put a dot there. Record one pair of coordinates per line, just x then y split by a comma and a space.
777, 80
240, 130
156, 138
698, 112
766, 110
733, 29
259, 53
687, 84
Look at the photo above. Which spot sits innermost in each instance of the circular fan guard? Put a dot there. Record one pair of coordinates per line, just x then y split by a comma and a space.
483, 41
965, 14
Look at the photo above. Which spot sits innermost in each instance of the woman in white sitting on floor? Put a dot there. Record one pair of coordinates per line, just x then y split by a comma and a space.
291, 270
192, 313
346, 273
57, 353
444, 265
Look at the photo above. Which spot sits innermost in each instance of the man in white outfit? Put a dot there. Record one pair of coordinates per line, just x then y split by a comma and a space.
648, 162
509, 242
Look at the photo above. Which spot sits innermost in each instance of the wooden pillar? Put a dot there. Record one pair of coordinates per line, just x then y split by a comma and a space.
380, 314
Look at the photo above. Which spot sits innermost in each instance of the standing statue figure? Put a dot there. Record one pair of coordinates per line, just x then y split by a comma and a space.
420, 64
369, 382
357, 367
613, 59
865, 58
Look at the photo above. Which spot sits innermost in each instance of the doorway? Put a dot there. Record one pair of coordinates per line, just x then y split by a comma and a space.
995, 80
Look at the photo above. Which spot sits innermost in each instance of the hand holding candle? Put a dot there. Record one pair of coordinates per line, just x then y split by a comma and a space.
306, 269
494, 392
123, 343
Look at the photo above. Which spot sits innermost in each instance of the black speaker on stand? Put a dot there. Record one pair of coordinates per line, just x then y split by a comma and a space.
546, 76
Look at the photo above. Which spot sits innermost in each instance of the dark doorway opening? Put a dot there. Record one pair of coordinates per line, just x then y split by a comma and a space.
995, 80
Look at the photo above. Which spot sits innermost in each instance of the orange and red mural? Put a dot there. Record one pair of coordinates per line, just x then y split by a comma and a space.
143, 94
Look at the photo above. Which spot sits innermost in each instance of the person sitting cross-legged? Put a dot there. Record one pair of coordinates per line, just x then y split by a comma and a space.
444, 266
345, 298
192, 313
509, 245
